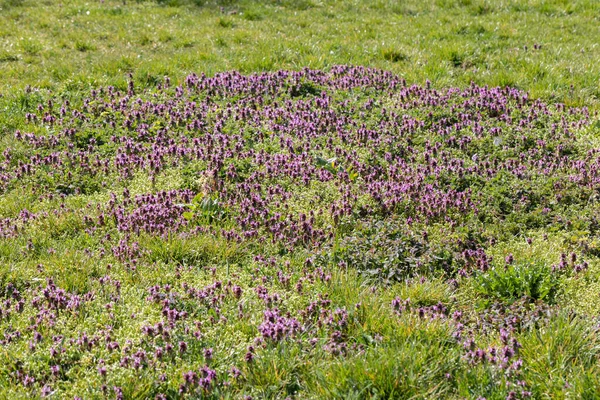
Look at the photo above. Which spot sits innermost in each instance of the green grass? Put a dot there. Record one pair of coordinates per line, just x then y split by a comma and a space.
72, 45
62, 49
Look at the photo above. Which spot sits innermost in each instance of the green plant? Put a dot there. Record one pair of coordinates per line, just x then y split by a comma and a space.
84, 46
334, 167
394, 55
205, 209
533, 281
31, 46
381, 251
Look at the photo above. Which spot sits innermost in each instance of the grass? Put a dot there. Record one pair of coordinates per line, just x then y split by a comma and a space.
388, 301
546, 47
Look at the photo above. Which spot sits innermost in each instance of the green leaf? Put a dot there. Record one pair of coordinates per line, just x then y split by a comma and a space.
198, 198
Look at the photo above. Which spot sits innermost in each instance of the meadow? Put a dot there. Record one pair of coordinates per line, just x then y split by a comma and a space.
299, 199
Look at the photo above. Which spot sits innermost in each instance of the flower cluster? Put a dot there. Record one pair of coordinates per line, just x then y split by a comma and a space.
249, 195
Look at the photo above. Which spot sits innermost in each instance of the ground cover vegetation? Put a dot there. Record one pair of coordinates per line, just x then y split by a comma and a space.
299, 199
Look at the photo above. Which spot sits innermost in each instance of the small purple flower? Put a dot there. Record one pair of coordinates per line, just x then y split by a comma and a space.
182, 347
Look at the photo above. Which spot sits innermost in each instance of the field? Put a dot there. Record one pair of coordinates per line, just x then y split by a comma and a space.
300, 199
